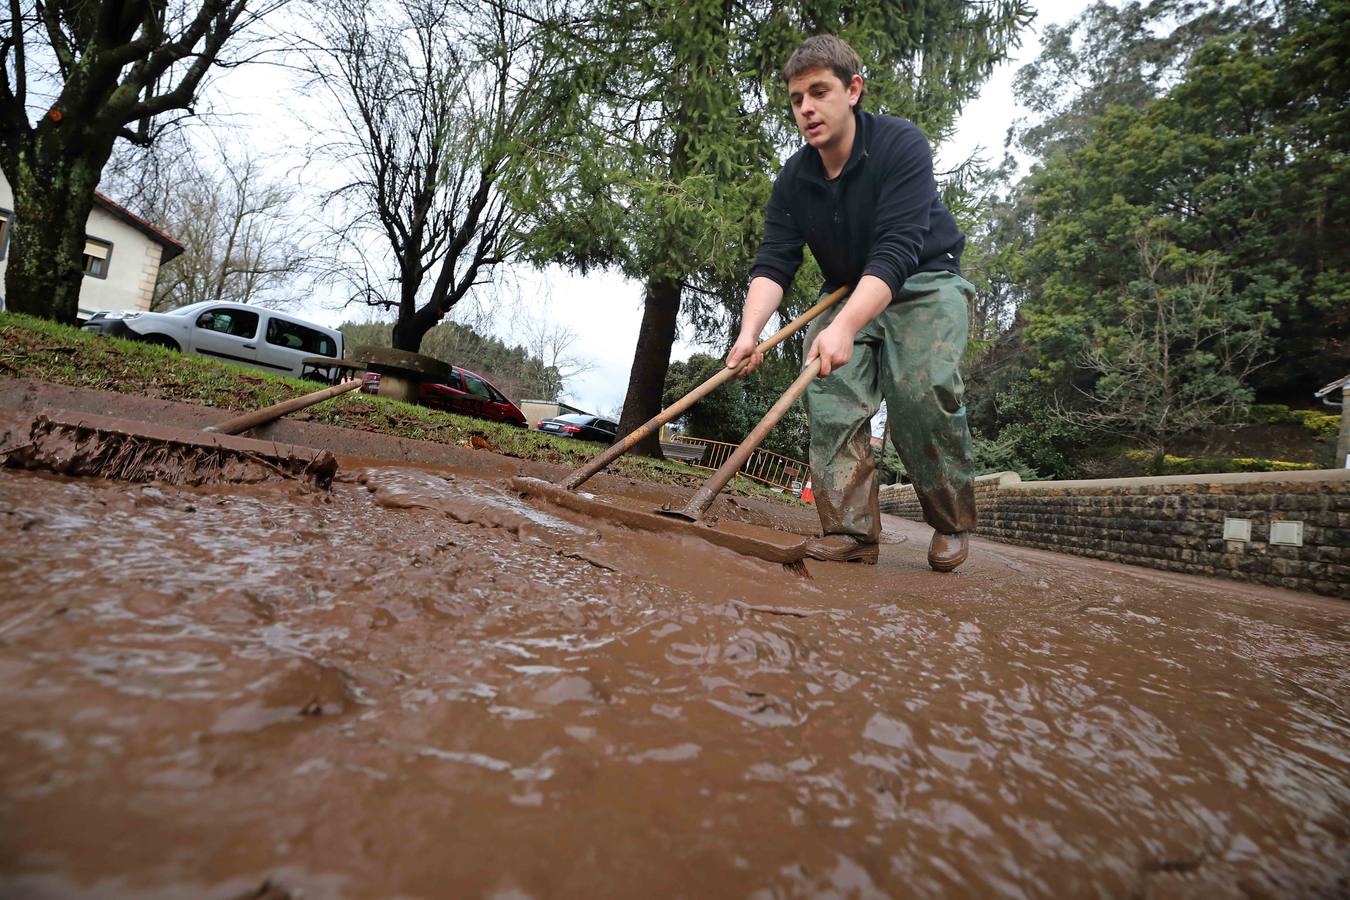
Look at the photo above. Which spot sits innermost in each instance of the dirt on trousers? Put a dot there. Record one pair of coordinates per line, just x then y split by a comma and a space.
416, 684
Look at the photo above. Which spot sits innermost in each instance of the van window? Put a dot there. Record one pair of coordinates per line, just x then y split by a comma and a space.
294, 336
237, 322
476, 387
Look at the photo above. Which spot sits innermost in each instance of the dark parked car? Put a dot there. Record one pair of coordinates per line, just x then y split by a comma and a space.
588, 428
466, 393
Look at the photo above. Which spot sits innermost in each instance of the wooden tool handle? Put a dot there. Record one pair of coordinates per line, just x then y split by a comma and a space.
619, 448
277, 410
704, 496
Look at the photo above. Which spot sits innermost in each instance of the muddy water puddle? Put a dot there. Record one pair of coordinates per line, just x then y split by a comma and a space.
418, 685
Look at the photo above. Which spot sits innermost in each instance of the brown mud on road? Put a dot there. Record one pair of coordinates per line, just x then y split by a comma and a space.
418, 685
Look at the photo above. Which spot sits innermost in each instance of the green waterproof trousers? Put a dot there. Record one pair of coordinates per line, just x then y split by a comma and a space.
909, 355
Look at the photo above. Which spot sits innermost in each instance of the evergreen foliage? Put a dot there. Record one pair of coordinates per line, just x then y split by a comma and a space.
1242, 162
1207, 465
1177, 359
1115, 56
730, 412
1185, 222
1321, 425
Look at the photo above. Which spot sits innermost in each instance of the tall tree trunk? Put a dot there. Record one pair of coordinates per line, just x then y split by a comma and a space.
53, 178
409, 330
410, 326
660, 316
651, 360
408, 333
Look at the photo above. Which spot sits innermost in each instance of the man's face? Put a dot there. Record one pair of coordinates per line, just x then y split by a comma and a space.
823, 106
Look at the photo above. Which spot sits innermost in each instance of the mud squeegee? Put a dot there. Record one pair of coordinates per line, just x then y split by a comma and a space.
71, 443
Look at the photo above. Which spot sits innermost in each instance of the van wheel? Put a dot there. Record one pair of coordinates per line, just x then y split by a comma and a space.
161, 340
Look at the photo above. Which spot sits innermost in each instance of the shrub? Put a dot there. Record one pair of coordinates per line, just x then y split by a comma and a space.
1320, 425
1201, 465
1001, 455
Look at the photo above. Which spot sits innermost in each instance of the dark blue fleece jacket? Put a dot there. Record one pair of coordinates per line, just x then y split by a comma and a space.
881, 216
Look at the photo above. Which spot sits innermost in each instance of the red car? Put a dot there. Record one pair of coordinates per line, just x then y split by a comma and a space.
467, 393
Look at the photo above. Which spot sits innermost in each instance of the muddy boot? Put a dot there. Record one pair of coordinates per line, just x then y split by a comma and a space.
842, 548
947, 551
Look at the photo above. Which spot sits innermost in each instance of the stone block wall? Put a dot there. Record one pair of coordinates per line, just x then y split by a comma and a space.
900, 499
1175, 522
149, 274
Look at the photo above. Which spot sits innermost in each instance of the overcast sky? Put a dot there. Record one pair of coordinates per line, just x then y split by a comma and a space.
604, 310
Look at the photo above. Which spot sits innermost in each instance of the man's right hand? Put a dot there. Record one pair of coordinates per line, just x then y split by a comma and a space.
744, 348
763, 298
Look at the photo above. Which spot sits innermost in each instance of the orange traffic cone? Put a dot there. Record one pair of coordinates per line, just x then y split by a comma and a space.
807, 495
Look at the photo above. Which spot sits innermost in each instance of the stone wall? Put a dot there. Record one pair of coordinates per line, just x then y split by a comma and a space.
1178, 522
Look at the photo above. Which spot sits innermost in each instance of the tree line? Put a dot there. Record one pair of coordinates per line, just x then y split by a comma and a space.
538, 368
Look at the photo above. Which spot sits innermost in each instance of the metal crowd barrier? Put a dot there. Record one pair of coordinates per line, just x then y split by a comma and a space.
764, 466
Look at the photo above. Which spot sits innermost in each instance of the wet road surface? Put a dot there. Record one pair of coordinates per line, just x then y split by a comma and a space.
418, 685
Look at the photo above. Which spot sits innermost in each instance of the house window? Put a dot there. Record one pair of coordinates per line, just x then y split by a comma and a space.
96, 254
6, 216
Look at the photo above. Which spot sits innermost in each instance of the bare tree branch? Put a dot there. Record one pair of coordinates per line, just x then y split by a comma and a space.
241, 236
432, 106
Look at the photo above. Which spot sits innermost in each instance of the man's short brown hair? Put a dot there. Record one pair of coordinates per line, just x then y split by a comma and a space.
824, 51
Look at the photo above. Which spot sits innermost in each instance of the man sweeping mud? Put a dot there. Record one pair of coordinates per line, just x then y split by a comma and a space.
862, 196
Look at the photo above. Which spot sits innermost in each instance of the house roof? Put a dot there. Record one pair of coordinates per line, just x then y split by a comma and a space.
171, 247
1338, 384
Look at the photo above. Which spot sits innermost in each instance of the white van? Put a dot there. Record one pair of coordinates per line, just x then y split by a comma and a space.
235, 332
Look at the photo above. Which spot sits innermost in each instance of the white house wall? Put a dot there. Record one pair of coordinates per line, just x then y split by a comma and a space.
133, 266
133, 263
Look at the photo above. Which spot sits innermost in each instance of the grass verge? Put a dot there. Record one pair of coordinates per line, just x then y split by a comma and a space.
60, 354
